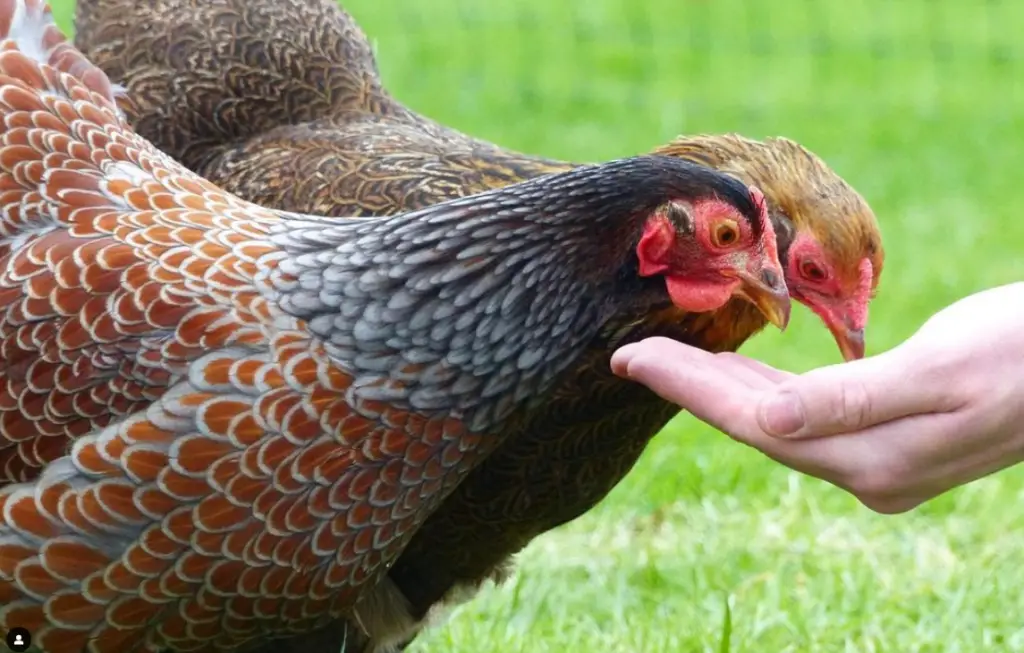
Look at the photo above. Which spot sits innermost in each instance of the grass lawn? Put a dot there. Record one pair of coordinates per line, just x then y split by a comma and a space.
707, 546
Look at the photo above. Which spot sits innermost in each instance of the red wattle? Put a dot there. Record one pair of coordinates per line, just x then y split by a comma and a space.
698, 296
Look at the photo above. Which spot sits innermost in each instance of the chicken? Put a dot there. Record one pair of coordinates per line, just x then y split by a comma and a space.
269, 404
253, 94
282, 104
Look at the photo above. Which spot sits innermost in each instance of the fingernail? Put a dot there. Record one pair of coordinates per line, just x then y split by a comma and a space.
621, 358
782, 415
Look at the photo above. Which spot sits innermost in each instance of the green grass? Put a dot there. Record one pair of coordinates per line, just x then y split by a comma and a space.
918, 104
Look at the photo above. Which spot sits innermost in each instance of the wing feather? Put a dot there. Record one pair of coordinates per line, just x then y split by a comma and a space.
219, 486
114, 258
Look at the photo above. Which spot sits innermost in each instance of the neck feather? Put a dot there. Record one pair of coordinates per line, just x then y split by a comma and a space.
470, 308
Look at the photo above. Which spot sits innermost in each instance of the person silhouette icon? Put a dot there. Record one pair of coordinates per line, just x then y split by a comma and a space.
18, 640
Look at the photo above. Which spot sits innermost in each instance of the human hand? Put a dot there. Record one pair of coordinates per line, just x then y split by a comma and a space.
942, 409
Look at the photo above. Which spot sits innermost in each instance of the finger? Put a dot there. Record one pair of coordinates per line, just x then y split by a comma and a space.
680, 354
754, 373
736, 361
894, 463
896, 466
710, 392
671, 353
851, 397
740, 368
952, 449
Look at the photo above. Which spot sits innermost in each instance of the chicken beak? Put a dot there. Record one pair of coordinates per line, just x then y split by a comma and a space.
767, 291
850, 341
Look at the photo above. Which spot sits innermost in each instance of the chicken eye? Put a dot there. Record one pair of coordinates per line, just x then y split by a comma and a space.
811, 270
725, 234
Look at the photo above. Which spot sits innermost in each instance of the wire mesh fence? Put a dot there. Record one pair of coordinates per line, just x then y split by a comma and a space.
700, 64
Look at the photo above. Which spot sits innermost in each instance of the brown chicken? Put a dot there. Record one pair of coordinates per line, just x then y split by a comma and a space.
282, 103
270, 404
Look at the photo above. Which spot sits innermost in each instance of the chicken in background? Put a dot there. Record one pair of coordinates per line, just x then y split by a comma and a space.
282, 103
270, 404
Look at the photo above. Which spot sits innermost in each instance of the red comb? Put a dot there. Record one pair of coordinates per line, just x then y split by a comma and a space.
770, 243
865, 284
757, 197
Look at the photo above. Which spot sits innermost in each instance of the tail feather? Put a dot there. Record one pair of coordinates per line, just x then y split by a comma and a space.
29, 28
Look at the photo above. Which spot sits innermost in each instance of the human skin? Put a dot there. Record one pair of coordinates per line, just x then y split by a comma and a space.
943, 408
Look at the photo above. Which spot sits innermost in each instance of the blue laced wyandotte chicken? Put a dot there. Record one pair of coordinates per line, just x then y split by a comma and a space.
263, 406
281, 103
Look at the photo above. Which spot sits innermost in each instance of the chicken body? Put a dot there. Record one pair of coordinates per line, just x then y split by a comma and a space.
282, 103
270, 404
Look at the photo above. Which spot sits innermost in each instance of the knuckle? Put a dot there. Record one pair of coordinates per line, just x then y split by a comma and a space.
941, 364
853, 409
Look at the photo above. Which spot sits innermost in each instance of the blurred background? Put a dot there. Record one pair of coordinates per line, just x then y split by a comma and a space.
708, 546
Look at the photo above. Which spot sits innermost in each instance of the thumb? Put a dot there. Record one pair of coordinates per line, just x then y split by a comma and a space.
849, 397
